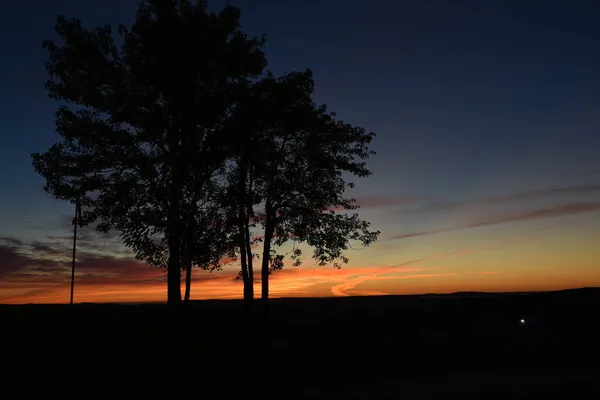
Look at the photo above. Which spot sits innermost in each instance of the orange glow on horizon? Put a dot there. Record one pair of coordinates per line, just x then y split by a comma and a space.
500, 257
297, 282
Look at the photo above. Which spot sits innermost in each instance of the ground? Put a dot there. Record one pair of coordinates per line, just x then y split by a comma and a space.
473, 345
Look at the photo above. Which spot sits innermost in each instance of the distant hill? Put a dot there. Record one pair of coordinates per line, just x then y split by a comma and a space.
595, 291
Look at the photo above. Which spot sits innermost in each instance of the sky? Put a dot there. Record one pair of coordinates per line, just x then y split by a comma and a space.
486, 178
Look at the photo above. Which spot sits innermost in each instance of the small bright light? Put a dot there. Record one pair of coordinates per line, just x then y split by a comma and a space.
522, 321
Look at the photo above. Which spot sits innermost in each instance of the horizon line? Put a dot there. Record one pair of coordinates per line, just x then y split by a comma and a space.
465, 292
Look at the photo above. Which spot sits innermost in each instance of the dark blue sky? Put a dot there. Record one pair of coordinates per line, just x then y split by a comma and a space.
467, 98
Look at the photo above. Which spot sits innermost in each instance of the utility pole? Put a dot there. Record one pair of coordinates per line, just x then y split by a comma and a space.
76, 221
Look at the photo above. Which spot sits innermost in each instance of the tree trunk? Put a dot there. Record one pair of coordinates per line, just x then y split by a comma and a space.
265, 323
244, 237
266, 258
174, 266
249, 212
264, 273
188, 282
243, 256
250, 262
76, 221
248, 295
174, 320
249, 282
174, 279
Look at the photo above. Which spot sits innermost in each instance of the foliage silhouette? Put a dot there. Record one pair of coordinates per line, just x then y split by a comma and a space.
140, 123
177, 140
292, 165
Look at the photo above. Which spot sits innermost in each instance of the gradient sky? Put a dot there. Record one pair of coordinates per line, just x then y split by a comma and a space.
487, 176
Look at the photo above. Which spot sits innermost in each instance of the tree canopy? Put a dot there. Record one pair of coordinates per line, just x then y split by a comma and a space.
140, 122
292, 165
172, 133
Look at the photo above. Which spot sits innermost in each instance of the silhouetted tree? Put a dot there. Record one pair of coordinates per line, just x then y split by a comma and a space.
241, 193
293, 164
140, 128
203, 244
206, 239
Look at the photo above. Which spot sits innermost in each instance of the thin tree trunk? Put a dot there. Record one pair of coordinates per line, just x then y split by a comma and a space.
250, 262
249, 202
75, 223
174, 264
244, 265
174, 237
269, 232
266, 258
244, 237
188, 282
249, 285
249, 334
242, 245
265, 325
174, 280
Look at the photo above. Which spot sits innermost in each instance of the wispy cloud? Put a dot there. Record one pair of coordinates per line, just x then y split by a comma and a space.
552, 212
11, 260
559, 211
40, 272
568, 190
388, 201
378, 202
9, 241
342, 288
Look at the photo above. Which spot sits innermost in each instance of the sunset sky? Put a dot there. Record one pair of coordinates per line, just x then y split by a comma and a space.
487, 173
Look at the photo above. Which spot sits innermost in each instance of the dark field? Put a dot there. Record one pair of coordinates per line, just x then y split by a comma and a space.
409, 347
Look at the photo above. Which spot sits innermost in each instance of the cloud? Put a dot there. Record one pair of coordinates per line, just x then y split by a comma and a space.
40, 272
18, 257
47, 248
559, 211
413, 234
390, 273
11, 260
87, 232
387, 201
24, 261
341, 288
291, 281
375, 202
408, 266
9, 241
582, 189
36, 293
88, 240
